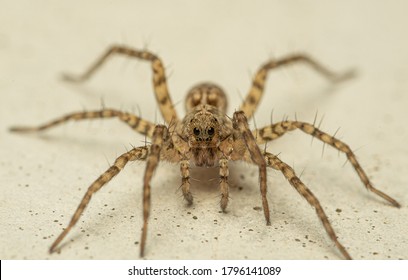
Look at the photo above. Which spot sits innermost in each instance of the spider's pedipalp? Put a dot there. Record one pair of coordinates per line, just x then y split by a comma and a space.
277, 130
185, 181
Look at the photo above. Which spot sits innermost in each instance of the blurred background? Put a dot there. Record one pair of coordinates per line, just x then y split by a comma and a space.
44, 176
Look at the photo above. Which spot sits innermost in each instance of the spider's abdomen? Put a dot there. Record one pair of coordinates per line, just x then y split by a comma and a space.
206, 93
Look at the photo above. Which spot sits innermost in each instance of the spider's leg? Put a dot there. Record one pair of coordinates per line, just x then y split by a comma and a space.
160, 134
240, 123
139, 153
224, 187
274, 131
258, 84
159, 76
140, 125
185, 181
274, 162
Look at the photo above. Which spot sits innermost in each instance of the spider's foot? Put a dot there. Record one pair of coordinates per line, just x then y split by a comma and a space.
224, 203
22, 129
383, 195
189, 198
391, 200
72, 78
348, 75
53, 249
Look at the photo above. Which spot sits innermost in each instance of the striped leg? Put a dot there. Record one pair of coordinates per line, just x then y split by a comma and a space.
287, 171
185, 181
258, 84
277, 130
224, 187
160, 134
139, 153
159, 77
240, 123
142, 126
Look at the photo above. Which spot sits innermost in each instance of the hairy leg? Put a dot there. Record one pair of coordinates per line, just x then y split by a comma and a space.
159, 77
240, 123
185, 181
160, 135
142, 126
289, 173
224, 187
139, 153
254, 96
274, 131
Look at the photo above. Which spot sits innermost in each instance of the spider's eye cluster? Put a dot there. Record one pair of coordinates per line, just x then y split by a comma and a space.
196, 131
210, 131
204, 134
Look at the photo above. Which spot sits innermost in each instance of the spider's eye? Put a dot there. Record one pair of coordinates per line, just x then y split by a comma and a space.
196, 131
211, 131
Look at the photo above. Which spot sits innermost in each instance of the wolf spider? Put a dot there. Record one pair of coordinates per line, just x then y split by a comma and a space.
207, 137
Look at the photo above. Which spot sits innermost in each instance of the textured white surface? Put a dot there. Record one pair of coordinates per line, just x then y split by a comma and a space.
44, 176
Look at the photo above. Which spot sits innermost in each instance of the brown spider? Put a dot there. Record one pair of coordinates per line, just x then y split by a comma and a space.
207, 137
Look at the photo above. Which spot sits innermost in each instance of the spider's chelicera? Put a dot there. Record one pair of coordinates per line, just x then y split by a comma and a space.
206, 136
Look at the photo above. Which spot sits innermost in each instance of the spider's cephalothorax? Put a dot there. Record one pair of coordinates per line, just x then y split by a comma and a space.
205, 126
207, 137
